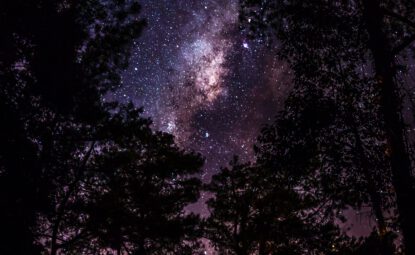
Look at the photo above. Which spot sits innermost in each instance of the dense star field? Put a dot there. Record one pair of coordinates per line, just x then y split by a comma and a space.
201, 79
198, 76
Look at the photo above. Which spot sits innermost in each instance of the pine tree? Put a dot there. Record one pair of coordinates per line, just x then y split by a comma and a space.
364, 38
132, 193
257, 211
57, 58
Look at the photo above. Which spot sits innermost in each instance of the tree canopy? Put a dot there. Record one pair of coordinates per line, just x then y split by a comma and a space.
348, 52
82, 175
77, 174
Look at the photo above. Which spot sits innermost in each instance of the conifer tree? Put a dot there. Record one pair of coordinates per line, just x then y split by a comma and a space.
351, 43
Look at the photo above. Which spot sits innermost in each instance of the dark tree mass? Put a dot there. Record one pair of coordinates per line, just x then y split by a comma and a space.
207, 127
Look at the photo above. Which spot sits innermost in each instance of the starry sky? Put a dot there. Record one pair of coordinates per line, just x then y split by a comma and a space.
198, 77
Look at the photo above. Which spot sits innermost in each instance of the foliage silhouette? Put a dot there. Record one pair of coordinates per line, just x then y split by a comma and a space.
352, 44
258, 211
132, 194
71, 165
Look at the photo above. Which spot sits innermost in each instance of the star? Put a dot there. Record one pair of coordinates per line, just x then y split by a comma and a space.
197, 81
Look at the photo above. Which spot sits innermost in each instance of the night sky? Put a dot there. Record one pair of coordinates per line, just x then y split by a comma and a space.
199, 78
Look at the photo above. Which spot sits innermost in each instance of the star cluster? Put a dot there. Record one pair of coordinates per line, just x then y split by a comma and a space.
199, 78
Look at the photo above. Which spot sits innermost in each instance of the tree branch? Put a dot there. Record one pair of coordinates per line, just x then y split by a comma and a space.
65, 243
61, 207
399, 17
405, 43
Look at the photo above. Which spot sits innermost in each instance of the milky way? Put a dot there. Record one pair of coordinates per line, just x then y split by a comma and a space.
199, 78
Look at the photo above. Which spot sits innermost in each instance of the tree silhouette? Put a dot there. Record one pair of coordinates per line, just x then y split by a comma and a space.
63, 146
230, 225
130, 197
353, 40
257, 211
337, 151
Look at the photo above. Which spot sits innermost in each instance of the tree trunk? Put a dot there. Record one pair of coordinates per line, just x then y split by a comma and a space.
374, 195
141, 247
372, 188
55, 231
391, 104
262, 250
